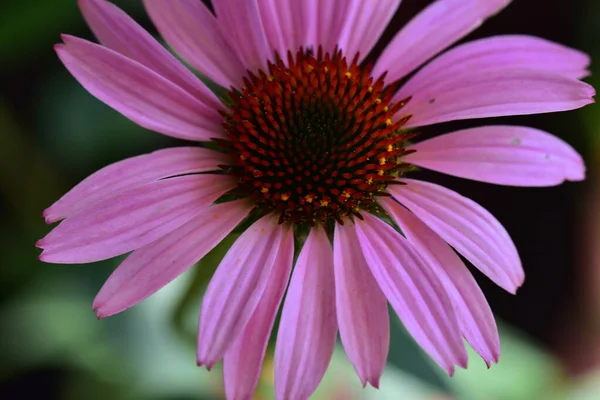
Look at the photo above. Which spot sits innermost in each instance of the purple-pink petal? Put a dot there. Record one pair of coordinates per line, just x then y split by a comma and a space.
139, 93
130, 173
473, 313
131, 219
194, 32
510, 51
243, 360
355, 26
152, 266
504, 155
245, 31
362, 309
467, 227
436, 28
413, 290
237, 287
493, 92
308, 326
117, 31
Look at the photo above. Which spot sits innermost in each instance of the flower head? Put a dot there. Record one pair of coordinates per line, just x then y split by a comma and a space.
311, 149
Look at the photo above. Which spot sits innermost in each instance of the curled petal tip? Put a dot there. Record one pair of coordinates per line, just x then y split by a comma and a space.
208, 365
373, 382
450, 371
65, 38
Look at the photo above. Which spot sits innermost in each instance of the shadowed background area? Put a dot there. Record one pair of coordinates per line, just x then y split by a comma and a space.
53, 134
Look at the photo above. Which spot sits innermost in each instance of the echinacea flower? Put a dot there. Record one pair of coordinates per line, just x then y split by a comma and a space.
311, 151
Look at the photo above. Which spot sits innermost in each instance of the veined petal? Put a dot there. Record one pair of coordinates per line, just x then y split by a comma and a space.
193, 32
117, 31
245, 31
437, 27
509, 51
152, 266
494, 92
413, 290
363, 24
137, 92
308, 326
505, 155
284, 23
131, 219
467, 227
474, 315
243, 361
237, 287
130, 173
354, 26
361, 307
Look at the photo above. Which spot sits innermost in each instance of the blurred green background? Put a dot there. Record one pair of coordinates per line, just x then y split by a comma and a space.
53, 134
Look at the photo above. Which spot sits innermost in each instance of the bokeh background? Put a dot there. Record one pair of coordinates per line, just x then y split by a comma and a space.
53, 134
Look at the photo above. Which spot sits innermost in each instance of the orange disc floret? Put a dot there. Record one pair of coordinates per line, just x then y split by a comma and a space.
314, 138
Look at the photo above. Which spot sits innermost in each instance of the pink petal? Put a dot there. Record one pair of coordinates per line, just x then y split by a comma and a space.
133, 172
117, 31
505, 155
194, 32
237, 287
245, 31
492, 93
243, 361
151, 267
511, 51
474, 315
414, 292
436, 28
467, 227
354, 26
308, 327
361, 307
131, 219
137, 92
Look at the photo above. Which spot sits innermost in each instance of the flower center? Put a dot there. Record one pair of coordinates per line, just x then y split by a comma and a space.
314, 140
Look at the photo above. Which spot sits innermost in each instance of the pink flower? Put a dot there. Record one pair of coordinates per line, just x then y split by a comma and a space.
310, 148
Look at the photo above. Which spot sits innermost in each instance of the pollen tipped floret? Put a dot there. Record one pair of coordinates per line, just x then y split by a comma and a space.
314, 138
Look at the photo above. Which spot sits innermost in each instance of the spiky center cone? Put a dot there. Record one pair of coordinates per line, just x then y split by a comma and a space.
314, 140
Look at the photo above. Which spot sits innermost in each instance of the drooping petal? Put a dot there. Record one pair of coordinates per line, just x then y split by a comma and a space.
245, 31
361, 307
467, 227
510, 51
492, 93
243, 361
117, 31
193, 32
474, 315
237, 287
137, 92
133, 172
437, 27
505, 155
152, 266
413, 290
308, 326
131, 219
